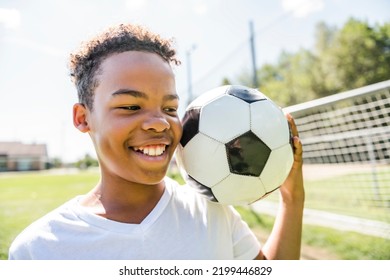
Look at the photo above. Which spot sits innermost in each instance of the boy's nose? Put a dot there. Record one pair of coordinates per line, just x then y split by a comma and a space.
156, 123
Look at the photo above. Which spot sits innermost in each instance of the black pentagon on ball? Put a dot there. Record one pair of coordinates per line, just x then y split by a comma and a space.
190, 124
200, 188
249, 95
247, 154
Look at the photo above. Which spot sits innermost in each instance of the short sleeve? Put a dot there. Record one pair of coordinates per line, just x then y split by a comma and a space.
245, 244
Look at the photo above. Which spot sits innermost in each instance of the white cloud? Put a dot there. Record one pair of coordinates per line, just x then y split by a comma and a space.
302, 8
10, 18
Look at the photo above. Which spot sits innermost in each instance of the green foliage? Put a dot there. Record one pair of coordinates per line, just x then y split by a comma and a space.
225, 81
56, 162
87, 162
360, 55
342, 59
289, 81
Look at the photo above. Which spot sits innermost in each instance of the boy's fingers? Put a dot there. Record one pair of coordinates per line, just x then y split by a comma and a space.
294, 129
295, 139
297, 145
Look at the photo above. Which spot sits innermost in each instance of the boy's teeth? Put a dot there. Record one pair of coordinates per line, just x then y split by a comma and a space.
155, 150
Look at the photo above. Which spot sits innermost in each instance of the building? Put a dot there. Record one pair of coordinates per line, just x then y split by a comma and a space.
16, 156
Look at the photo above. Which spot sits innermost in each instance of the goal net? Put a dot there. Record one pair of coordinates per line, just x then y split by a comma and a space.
346, 142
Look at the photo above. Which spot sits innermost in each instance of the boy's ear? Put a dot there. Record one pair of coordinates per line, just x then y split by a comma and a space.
80, 117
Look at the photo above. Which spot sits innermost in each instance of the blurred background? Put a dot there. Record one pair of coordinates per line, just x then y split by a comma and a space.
325, 61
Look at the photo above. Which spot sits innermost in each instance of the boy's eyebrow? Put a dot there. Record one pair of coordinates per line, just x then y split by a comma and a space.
140, 94
134, 93
169, 97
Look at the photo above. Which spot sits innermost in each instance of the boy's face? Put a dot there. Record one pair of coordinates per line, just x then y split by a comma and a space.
134, 122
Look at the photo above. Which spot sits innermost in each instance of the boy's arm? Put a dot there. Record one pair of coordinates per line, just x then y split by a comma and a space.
284, 241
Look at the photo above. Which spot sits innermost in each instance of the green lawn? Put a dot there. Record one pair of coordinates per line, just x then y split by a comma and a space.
352, 194
345, 245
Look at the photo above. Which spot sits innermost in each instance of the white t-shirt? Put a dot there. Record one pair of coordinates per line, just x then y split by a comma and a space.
183, 225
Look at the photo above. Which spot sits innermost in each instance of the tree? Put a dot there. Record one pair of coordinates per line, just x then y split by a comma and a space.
342, 59
323, 70
56, 162
86, 162
225, 81
361, 54
288, 82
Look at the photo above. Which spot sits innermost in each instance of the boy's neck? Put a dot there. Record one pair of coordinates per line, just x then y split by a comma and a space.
123, 202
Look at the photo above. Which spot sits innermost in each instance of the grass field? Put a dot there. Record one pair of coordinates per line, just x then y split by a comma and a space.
352, 194
327, 243
26, 197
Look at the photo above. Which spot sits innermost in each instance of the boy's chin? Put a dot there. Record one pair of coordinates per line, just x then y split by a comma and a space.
153, 178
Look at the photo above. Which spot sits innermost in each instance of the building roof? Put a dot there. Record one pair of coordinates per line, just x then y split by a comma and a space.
17, 149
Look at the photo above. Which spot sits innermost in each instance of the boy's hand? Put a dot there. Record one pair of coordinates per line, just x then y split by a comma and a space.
292, 188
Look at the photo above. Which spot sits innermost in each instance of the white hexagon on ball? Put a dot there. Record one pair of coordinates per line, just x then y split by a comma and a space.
274, 132
207, 97
212, 152
233, 190
232, 123
277, 168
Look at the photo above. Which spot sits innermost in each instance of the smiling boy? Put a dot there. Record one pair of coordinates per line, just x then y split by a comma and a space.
128, 105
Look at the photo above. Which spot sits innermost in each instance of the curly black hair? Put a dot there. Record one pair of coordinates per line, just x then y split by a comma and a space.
85, 62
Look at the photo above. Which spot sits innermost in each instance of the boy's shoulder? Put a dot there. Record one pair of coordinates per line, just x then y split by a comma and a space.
185, 193
43, 230
190, 199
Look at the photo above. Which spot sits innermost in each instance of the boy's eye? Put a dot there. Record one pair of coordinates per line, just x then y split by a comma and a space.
131, 108
171, 110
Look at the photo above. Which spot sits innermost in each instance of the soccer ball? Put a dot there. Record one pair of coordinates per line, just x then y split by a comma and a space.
236, 145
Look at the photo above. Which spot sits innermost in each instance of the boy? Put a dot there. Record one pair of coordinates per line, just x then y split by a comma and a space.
128, 106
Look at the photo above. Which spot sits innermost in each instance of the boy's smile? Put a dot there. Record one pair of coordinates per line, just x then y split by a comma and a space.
134, 122
152, 150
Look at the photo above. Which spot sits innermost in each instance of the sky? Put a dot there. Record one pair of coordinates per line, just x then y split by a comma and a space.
212, 37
